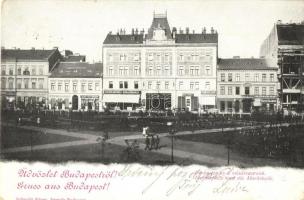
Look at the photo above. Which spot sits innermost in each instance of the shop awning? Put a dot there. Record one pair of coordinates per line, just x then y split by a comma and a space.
120, 98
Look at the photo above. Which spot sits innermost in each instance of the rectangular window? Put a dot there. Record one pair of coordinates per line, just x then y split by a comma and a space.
191, 70
126, 84
158, 70
3, 82
52, 86
110, 84
26, 83
97, 87
263, 91
110, 57
11, 71
111, 71
120, 84
167, 70
33, 70
40, 70
237, 77
247, 90
66, 87
19, 71
149, 85
263, 77
181, 70
90, 86
3, 70
19, 82
59, 86
196, 85
272, 77
256, 91
229, 77
208, 70
150, 57
271, 91
126, 70
150, 72
136, 70
121, 69
74, 86
166, 58
222, 90
237, 90
10, 83
180, 85
207, 86
222, 77
158, 85
230, 90
136, 57
33, 84
135, 84
247, 77
196, 71
166, 85
181, 57
191, 85
83, 85
256, 77
40, 83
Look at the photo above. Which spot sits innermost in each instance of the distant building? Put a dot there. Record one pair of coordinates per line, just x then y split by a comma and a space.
24, 76
246, 85
76, 85
285, 47
162, 69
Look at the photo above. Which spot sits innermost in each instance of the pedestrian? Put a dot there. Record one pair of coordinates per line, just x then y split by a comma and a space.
147, 142
152, 142
157, 141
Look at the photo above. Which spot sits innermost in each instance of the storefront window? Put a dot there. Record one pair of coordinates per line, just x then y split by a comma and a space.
222, 106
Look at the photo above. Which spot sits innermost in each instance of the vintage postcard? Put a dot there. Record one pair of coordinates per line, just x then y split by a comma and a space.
152, 99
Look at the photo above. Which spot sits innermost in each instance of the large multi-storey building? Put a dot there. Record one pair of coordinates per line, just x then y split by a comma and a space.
163, 69
76, 85
24, 76
244, 85
285, 47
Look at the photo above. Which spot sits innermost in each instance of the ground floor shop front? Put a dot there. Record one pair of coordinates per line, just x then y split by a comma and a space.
157, 101
23, 100
246, 105
75, 102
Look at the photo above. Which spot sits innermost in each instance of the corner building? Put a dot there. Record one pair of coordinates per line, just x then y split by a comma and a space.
162, 69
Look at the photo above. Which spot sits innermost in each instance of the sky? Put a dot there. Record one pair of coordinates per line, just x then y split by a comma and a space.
82, 25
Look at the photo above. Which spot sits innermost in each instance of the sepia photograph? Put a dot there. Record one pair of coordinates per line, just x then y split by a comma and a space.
152, 84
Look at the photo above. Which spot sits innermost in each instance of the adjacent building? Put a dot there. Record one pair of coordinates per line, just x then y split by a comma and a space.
162, 69
246, 85
24, 76
285, 47
76, 86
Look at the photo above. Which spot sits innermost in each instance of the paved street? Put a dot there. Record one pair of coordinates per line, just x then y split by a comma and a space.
199, 152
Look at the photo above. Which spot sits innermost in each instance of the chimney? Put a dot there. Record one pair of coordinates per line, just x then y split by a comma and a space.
173, 32
142, 31
132, 32
121, 32
110, 33
117, 32
193, 31
236, 57
187, 30
2, 47
212, 30
136, 31
53, 48
33, 48
279, 21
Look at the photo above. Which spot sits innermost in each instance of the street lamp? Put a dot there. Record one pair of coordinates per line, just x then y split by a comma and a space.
171, 133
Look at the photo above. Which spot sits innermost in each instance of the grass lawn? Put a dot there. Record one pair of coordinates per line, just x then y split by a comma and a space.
18, 137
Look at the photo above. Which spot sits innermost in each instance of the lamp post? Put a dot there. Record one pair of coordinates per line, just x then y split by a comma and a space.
171, 133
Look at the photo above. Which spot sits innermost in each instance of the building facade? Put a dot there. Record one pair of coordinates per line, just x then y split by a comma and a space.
24, 77
246, 85
162, 69
285, 47
76, 86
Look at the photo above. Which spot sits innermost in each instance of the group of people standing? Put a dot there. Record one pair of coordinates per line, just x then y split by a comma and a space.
152, 141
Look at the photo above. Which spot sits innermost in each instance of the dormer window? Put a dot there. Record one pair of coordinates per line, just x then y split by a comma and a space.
159, 34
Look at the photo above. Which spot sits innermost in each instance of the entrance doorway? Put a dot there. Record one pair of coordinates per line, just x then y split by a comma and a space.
75, 102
